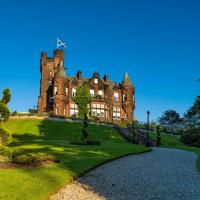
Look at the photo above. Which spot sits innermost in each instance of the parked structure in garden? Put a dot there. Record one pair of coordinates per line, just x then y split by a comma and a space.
111, 101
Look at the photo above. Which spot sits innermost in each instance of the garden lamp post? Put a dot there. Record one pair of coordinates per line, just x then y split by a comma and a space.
147, 140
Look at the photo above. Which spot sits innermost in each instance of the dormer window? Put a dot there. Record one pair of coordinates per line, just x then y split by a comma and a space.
116, 96
100, 93
73, 92
96, 81
56, 90
92, 93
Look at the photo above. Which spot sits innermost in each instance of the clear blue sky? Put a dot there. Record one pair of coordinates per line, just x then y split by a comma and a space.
156, 42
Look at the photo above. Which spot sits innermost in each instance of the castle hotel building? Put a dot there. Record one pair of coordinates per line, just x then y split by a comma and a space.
110, 101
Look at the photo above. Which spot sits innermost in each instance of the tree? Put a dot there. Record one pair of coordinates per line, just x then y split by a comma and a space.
4, 112
82, 99
158, 138
133, 133
195, 109
6, 96
5, 136
169, 117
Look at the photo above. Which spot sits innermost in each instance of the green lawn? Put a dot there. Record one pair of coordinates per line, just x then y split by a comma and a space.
54, 137
173, 141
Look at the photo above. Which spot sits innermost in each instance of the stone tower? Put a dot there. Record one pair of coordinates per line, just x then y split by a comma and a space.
48, 69
128, 101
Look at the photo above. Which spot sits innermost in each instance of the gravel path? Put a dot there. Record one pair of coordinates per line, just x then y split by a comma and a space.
163, 174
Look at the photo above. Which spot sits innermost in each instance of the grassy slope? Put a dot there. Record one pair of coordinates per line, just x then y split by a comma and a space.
173, 141
54, 137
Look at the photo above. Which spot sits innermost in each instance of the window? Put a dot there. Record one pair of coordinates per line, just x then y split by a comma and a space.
98, 110
50, 82
100, 93
56, 111
73, 110
96, 81
64, 112
73, 92
50, 99
50, 73
124, 97
116, 113
56, 90
66, 90
116, 96
92, 93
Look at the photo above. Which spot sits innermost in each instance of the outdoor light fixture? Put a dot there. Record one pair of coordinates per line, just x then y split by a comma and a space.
147, 139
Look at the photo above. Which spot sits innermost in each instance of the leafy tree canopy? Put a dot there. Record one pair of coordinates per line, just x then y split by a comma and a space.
6, 96
169, 117
82, 99
195, 109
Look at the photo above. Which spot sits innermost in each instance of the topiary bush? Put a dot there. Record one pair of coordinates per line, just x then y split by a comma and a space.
32, 158
5, 154
158, 138
5, 136
5, 112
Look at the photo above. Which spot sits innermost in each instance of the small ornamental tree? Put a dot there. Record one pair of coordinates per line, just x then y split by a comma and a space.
5, 136
4, 112
158, 139
82, 99
133, 133
6, 96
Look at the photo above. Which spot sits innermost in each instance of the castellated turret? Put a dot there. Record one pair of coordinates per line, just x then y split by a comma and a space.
111, 101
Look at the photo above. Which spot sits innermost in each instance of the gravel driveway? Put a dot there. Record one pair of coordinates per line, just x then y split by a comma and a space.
163, 174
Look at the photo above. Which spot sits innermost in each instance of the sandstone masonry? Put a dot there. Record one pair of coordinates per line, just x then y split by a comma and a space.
111, 101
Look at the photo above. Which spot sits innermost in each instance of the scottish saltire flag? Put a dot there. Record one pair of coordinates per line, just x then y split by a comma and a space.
61, 43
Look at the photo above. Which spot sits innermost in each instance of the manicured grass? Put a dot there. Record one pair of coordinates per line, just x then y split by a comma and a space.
173, 141
54, 137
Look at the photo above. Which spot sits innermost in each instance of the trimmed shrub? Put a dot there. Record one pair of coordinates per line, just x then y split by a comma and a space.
5, 154
18, 152
23, 159
5, 136
39, 157
158, 138
5, 112
5, 151
32, 158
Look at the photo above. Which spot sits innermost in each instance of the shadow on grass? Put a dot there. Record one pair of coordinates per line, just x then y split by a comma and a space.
54, 138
